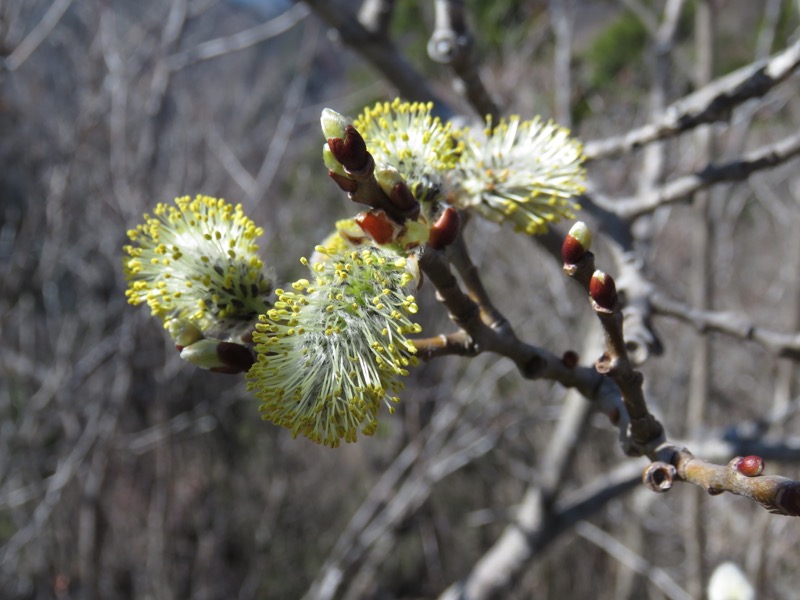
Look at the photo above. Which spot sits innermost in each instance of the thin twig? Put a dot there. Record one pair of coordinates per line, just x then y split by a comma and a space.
452, 43
644, 432
765, 157
379, 51
701, 271
777, 494
711, 103
562, 17
291, 108
657, 576
37, 35
784, 345
645, 435
239, 41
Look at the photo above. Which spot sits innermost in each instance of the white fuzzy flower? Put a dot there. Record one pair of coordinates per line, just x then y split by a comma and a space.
407, 137
330, 352
196, 260
521, 172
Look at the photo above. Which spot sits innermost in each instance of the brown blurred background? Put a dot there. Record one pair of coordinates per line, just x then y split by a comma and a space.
125, 473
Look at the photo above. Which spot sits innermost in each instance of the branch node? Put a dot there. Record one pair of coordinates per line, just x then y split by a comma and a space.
659, 476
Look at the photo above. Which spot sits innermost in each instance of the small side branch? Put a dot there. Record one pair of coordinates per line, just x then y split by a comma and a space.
451, 43
644, 430
766, 157
475, 336
784, 345
377, 50
238, 41
741, 476
713, 102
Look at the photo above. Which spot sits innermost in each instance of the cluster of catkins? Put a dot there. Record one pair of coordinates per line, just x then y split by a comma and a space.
324, 353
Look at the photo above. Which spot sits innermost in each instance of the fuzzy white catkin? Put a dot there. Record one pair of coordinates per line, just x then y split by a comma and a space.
729, 583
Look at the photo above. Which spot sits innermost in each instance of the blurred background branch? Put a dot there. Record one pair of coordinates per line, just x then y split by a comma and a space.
484, 482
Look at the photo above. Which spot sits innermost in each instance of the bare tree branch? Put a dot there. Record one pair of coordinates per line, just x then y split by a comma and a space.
452, 43
533, 532
37, 35
376, 15
785, 345
239, 41
765, 157
377, 50
657, 576
291, 108
711, 103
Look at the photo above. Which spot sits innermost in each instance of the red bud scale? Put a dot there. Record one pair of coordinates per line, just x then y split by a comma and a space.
445, 229
377, 225
603, 290
577, 243
750, 466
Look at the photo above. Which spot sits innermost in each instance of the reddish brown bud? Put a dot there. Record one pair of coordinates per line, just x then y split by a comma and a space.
749, 466
445, 230
577, 243
603, 290
345, 183
236, 357
351, 151
402, 197
226, 370
377, 225
570, 359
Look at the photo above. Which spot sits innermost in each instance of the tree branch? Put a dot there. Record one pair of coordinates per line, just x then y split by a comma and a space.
713, 102
765, 157
377, 50
785, 345
452, 44
645, 435
238, 41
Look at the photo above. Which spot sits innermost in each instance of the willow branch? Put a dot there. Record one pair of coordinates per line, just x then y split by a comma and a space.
452, 44
765, 157
238, 41
784, 345
378, 50
713, 102
644, 431
532, 362
777, 494
458, 254
646, 436
475, 337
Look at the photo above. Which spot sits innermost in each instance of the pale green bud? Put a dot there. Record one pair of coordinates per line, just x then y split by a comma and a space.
387, 177
184, 332
203, 354
333, 124
330, 161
